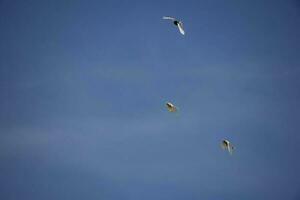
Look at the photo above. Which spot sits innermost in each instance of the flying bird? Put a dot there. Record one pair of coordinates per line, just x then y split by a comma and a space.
171, 107
177, 23
225, 144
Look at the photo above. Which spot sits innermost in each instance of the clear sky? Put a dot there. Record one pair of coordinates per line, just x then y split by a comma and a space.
84, 82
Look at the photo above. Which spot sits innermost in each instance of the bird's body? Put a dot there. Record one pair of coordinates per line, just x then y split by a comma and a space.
171, 107
177, 23
227, 145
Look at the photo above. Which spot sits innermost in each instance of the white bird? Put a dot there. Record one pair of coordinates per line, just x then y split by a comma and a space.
227, 145
177, 23
171, 107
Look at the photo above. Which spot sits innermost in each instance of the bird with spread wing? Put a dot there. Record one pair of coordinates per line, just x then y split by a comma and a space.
177, 23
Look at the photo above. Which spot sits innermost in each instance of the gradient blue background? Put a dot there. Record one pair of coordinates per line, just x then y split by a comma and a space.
83, 86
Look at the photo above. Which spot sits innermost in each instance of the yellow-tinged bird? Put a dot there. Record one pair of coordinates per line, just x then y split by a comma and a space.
171, 107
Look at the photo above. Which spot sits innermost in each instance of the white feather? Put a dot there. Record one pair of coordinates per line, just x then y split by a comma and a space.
170, 18
180, 27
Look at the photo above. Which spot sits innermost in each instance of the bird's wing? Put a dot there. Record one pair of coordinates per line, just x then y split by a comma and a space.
230, 149
170, 18
180, 27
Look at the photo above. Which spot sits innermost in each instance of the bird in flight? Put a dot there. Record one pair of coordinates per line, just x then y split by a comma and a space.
225, 144
177, 23
171, 107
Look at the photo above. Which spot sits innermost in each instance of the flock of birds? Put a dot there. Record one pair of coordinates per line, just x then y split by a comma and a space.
225, 144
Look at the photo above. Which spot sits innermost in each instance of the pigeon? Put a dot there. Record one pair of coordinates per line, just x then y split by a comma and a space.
177, 23
227, 145
171, 107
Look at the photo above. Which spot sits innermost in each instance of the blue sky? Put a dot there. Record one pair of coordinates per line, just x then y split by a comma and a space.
83, 86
